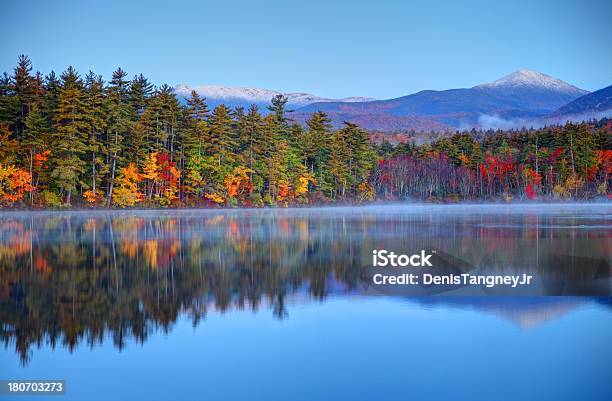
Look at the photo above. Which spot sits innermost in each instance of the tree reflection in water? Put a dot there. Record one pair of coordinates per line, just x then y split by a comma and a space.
67, 278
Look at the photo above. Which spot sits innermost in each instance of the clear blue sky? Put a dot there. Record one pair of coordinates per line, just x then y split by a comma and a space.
330, 48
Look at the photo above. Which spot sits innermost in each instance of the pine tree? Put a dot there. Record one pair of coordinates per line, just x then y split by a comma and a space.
170, 112
139, 93
52, 86
96, 118
25, 90
7, 101
238, 129
316, 144
585, 150
36, 138
119, 125
351, 160
222, 138
277, 107
361, 153
196, 130
251, 140
69, 134
280, 125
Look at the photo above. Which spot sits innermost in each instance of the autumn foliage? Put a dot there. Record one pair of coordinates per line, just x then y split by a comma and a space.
71, 140
127, 193
14, 184
572, 161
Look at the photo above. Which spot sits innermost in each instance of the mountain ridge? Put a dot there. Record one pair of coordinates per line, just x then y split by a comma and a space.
258, 96
521, 96
597, 101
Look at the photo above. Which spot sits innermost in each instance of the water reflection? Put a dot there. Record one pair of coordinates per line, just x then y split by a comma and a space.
71, 278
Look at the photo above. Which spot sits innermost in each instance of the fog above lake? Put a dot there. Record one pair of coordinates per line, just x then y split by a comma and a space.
378, 209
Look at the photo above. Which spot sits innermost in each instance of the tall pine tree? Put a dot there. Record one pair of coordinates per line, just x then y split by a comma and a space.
69, 135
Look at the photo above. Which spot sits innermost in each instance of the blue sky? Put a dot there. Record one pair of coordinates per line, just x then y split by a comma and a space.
331, 48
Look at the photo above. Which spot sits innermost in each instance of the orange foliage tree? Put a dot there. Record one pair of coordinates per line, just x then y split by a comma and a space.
94, 197
238, 183
284, 190
14, 184
162, 178
8, 145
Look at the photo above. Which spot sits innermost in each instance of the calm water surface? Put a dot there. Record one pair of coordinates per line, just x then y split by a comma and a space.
278, 305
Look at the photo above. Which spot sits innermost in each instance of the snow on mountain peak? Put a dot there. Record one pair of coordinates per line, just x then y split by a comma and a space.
526, 78
256, 95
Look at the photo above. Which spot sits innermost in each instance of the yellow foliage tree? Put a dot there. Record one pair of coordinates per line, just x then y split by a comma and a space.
151, 167
365, 191
215, 198
127, 193
303, 183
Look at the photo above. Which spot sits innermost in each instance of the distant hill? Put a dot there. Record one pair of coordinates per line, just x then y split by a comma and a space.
595, 105
594, 102
424, 103
378, 122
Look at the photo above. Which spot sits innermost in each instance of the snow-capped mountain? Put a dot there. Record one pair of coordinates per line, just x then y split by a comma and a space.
532, 90
244, 97
533, 79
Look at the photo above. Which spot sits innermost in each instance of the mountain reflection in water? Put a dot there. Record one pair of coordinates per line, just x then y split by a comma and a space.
69, 278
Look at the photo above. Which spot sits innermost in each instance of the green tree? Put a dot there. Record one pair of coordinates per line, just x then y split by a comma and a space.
26, 88
69, 135
140, 91
36, 138
196, 132
316, 146
352, 158
223, 141
96, 118
119, 125
316, 142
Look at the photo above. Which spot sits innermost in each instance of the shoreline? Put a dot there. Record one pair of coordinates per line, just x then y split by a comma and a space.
364, 206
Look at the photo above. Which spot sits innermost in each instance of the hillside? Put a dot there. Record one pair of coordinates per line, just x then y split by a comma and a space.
594, 102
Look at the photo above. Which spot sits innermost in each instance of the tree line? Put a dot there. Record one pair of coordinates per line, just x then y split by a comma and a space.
125, 143
73, 140
557, 162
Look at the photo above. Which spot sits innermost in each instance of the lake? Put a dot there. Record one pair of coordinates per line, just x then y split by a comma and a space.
279, 304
